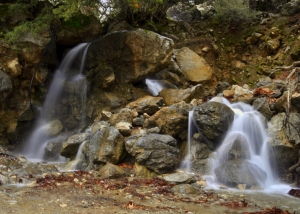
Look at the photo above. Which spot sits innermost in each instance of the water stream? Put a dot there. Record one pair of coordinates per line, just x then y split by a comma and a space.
64, 105
248, 130
154, 86
186, 164
77, 162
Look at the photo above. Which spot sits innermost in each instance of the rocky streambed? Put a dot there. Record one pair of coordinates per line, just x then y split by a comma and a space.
84, 192
46, 188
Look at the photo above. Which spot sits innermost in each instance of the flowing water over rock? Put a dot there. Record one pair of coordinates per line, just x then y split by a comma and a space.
154, 86
63, 108
192, 127
244, 155
75, 164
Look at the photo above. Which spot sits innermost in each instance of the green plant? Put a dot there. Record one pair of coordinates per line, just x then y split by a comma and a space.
77, 22
32, 18
233, 10
35, 16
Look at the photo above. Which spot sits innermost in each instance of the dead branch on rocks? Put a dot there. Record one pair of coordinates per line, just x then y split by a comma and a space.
292, 83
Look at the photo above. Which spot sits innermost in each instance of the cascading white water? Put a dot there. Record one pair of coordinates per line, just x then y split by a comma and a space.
154, 86
186, 163
249, 129
75, 164
66, 96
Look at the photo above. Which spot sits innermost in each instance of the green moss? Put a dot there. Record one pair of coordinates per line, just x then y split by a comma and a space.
77, 22
150, 26
3, 9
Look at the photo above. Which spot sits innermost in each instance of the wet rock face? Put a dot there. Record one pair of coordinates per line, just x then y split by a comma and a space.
106, 145
5, 85
292, 130
171, 120
261, 105
132, 55
240, 171
155, 151
213, 120
284, 151
52, 149
70, 147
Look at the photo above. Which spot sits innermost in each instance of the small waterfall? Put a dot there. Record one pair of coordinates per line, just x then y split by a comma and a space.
154, 86
246, 139
65, 103
76, 163
186, 164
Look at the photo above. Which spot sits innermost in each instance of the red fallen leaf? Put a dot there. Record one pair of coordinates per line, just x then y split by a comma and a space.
263, 91
126, 165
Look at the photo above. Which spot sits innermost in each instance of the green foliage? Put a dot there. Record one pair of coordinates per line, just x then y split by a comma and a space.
3, 9
36, 16
33, 20
71, 8
233, 10
77, 22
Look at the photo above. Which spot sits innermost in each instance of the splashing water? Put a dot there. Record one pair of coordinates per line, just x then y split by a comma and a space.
154, 86
186, 164
65, 101
249, 130
76, 163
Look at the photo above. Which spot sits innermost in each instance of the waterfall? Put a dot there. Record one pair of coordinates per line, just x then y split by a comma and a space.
64, 105
186, 164
245, 139
154, 86
75, 164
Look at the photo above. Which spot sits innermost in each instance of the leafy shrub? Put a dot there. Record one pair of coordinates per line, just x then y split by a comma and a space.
233, 10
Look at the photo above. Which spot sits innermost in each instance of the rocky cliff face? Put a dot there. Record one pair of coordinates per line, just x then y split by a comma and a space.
201, 57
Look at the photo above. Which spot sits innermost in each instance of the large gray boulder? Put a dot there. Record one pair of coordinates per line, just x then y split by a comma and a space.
52, 149
213, 120
261, 105
155, 151
240, 171
284, 150
291, 8
70, 147
293, 129
171, 120
106, 145
183, 13
194, 68
130, 55
123, 115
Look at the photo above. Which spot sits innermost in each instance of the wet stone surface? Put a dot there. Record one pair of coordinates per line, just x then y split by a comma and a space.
83, 192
